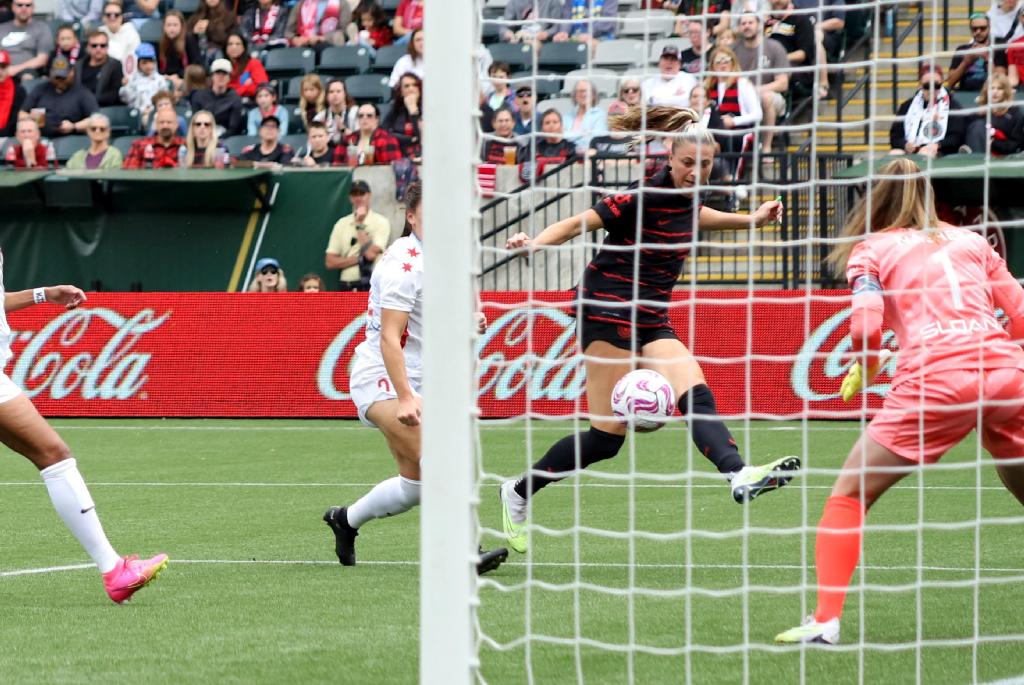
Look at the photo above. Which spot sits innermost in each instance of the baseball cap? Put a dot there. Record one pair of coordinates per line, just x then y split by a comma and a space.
359, 188
267, 261
671, 51
222, 65
60, 67
145, 51
525, 88
270, 118
5, 57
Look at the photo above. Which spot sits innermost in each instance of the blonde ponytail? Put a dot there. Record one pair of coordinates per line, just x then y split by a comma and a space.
682, 123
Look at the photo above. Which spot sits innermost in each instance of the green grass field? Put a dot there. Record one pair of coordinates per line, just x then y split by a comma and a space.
254, 594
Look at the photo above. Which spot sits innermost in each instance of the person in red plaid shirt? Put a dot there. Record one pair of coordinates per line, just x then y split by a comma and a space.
370, 137
164, 144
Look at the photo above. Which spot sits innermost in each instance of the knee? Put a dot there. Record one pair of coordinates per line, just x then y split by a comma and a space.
50, 453
410, 491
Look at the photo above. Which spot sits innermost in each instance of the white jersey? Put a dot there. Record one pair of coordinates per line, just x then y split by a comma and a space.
5, 328
397, 283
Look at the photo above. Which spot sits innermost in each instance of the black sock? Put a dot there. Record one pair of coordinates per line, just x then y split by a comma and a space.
708, 431
594, 445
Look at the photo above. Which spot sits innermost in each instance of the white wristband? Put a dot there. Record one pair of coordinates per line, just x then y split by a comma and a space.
39, 295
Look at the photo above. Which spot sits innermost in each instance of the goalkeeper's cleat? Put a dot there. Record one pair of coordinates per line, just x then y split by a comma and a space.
490, 560
344, 535
753, 481
513, 516
131, 575
810, 631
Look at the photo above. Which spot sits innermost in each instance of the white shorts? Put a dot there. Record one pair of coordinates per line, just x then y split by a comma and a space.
779, 103
8, 389
370, 384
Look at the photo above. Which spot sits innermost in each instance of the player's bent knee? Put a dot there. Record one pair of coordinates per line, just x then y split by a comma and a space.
410, 490
50, 453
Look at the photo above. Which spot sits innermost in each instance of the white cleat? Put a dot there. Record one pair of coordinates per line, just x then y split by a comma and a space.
811, 632
513, 516
753, 481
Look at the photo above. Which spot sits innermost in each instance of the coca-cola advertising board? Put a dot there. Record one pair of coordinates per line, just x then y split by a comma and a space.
769, 353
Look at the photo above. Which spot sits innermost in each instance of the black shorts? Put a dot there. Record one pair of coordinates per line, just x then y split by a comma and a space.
621, 335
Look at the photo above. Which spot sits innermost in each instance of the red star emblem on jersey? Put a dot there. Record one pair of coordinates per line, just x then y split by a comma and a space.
413, 252
406, 267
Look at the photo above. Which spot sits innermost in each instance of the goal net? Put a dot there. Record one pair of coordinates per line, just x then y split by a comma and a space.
642, 568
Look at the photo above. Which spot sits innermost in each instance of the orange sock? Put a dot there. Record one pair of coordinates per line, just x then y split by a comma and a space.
836, 553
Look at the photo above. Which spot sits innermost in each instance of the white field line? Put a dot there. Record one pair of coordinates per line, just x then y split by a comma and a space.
671, 486
359, 427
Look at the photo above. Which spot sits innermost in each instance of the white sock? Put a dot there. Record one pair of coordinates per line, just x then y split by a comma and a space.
73, 503
388, 498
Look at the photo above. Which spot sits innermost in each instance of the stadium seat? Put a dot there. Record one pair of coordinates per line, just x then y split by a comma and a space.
297, 141
385, 109
186, 7
519, 57
500, 4
660, 44
563, 57
288, 62
124, 143
124, 120
368, 88
151, 31
650, 23
386, 57
65, 146
544, 85
623, 53
563, 105
344, 61
607, 81
57, 23
235, 144
389, 6
490, 33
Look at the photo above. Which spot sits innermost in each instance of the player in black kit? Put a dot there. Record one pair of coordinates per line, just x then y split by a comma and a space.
624, 306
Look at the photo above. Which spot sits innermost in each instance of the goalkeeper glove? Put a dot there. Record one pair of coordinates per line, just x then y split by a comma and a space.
854, 380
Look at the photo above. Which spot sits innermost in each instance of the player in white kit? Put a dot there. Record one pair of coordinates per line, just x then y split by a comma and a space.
385, 383
26, 432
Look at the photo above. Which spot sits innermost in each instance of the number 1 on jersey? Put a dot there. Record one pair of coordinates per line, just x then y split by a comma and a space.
954, 283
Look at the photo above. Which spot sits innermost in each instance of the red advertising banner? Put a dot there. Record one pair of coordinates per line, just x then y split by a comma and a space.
770, 354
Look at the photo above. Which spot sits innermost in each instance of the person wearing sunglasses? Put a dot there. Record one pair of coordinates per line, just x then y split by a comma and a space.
269, 277
629, 96
373, 142
28, 42
100, 154
124, 39
204, 147
100, 73
973, 61
526, 116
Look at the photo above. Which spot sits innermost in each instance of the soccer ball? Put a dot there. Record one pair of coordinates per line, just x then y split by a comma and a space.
645, 399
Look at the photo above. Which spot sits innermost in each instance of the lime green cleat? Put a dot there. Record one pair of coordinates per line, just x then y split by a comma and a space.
513, 516
810, 631
753, 481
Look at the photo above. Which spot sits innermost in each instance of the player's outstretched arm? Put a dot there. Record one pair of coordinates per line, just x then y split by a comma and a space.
714, 220
67, 295
557, 233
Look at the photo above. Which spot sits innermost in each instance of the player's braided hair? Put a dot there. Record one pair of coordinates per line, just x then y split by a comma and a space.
902, 198
412, 199
682, 123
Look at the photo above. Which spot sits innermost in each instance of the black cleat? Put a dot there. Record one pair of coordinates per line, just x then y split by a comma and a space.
490, 560
344, 535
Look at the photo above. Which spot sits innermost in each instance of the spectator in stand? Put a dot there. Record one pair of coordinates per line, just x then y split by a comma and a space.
796, 35
341, 114
12, 95
269, 277
973, 62
766, 60
671, 86
266, 106
311, 283
726, 39
374, 144
88, 13
224, 103
404, 119
592, 21
734, 96
629, 96
100, 73
124, 39
160, 150
194, 81
67, 105
29, 150
526, 117
269, 152
587, 120
408, 18
178, 50
1007, 24
212, 23
318, 24
694, 59
203, 144
551, 147
264, 23
501, 95
715, 12
318, 152
411, 62
828, 31
710, 117
375, 29
67, 44
493, 149
146, 82
28, 42
1000, 129
138, 12
312, 100
246, 72
357, 241
162, 100
930, 122
527, 25
100, 154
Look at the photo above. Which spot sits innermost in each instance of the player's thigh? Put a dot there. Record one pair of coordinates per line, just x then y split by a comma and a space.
605, 364
403, 440
671, 359
25, 431
858, 480
1002, 426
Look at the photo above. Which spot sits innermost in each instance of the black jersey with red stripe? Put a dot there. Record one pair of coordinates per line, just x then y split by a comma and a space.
664, 231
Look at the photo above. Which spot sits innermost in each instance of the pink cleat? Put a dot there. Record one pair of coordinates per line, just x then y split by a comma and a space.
131, 575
